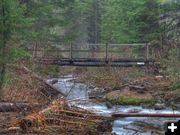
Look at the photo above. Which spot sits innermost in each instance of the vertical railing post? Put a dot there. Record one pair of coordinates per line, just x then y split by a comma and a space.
43, 52
106, 52
147, 51
179, 52
36, 50
70, 56
33, 52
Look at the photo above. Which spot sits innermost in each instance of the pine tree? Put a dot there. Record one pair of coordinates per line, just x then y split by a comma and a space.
130, 21
11, 17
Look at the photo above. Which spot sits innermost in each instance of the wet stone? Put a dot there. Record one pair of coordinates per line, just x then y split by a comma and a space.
137, 87
159, 106
134, 111
177, 106
109, 105
91, 87
54, 81
107, 88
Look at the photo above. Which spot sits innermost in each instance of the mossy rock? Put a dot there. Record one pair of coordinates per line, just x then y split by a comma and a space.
130, 101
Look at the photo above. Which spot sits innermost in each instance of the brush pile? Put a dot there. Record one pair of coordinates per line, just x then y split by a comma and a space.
61, 118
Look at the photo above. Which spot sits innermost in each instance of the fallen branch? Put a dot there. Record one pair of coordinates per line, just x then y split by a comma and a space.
60, 122
145, 115
81, 114
54, 93
44, 81
75, 118
35, 119
13, 107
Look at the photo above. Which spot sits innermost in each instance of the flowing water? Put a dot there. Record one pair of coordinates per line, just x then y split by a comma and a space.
121, 126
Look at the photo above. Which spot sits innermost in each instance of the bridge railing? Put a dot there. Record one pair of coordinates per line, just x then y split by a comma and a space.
72, 50
107, 45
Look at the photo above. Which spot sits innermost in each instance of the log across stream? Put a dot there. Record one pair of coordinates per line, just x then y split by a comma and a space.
121, 125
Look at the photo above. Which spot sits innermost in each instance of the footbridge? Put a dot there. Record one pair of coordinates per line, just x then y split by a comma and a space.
71, 54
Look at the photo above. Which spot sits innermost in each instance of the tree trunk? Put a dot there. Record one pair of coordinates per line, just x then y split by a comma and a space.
179, 51
3, 60
146, 115
3, 71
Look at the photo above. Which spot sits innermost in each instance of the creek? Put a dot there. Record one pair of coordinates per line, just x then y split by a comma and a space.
121, 126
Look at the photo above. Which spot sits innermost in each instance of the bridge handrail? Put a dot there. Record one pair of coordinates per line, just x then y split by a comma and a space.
91, 44
134, 44
107, 45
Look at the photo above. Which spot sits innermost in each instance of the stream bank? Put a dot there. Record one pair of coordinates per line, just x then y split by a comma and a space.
131, 86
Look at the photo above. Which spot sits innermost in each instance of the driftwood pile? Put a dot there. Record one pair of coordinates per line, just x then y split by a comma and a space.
62, 118
59, 117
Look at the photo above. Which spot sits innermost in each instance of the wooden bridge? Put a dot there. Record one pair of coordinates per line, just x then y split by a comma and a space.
94, 55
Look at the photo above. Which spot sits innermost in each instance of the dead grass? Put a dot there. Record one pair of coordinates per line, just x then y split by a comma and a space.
126, 93
23, 88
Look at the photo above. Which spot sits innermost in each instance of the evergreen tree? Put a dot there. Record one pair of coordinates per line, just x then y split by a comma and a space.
11, 18
93, 18
130, 21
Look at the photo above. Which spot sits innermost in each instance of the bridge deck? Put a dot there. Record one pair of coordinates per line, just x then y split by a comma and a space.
95, 62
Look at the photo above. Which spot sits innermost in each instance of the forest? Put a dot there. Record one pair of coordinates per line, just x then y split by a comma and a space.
37, 35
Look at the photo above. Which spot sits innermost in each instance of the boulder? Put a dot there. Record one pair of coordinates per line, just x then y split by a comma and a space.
159, 106
177, 106
54, 81
109, 105
107, 88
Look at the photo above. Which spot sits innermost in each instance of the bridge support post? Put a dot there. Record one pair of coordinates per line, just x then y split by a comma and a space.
35, 50
70, 55
147, 51
106, 52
